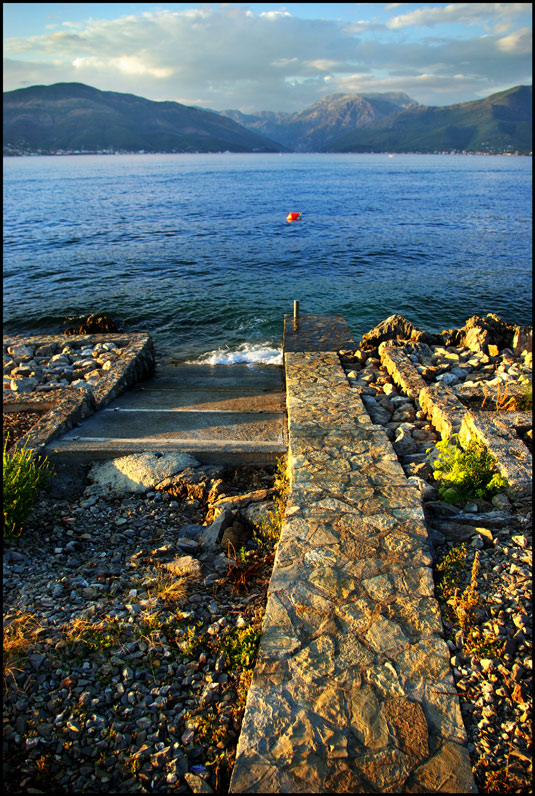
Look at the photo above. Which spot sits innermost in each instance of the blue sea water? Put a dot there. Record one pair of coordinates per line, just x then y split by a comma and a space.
196, 250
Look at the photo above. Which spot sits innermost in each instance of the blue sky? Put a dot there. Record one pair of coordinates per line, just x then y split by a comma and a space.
271, 56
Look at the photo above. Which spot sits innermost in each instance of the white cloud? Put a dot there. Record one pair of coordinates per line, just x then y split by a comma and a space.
229, 57
466, 13
518, 42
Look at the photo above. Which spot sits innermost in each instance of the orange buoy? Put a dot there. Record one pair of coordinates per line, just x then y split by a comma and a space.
292, 217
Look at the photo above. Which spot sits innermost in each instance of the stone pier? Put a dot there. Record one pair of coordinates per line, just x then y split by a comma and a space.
352, 690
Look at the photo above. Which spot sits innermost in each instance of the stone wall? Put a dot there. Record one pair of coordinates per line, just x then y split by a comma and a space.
67, 405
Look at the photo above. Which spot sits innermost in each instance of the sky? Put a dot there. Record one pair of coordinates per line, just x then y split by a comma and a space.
271, 56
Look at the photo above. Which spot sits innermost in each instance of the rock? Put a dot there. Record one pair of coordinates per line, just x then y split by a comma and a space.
24, 384
136, 473
211, 535
234, 537
478, 333
395, 328
93, 324
184, 567
501, 501
404, 414
404, 444
448, 378
197, 784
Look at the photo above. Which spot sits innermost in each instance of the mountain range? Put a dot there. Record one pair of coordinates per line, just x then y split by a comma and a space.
73, 116
76, 117
327, 120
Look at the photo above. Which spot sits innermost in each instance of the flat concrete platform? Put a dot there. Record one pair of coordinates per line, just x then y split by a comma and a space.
223, 413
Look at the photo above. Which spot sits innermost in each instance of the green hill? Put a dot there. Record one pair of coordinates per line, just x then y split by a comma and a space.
73, 116
499, 123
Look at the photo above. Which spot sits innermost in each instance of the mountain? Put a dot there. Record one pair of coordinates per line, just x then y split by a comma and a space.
316, 127
499, 123
73, 116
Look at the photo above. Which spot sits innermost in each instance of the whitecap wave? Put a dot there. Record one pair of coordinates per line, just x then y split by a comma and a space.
245, 354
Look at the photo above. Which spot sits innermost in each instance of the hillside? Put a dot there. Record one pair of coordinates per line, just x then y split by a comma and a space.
73, 116
318, 126
499, 123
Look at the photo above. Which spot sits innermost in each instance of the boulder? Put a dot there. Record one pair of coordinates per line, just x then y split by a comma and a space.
480, 332
136, 473
397, 329
94, 324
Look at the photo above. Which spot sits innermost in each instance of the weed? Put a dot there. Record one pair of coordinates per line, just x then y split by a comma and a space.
23, 476
465, 474
189, 640
210, 729
461, 607
84, 635
20, 633
241, 646
267, 532
506, 401
166, 588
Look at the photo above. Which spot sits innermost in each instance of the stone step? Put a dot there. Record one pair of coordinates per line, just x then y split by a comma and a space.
223, 413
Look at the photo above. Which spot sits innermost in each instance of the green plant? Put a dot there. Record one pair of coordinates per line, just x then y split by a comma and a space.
465, 474
267, 532
84, 635
23, 476
241, 646
460, 606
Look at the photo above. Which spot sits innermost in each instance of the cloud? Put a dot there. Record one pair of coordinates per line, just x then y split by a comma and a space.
518, 42
230, 57
466, 13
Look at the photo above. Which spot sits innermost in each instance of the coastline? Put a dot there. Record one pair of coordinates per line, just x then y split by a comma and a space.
495, 689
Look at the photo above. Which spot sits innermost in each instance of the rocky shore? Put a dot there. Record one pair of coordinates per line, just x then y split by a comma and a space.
141, 626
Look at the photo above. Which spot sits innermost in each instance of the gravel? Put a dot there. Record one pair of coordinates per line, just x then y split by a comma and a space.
128, 683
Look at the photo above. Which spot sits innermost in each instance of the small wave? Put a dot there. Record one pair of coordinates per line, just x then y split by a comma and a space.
244, 354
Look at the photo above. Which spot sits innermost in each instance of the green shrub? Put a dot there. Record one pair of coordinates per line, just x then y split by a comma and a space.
23, 477
241, 646
466, 474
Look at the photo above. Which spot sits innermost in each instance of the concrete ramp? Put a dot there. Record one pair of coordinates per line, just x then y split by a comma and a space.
219, 413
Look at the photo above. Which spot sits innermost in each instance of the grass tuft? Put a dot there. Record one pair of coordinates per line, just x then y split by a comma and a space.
23, 476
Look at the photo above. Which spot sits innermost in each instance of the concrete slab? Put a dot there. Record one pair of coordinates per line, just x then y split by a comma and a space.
258, 378
114, 424
316, 333
187, 399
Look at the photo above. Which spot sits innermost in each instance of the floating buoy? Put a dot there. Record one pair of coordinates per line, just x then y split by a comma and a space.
292, 217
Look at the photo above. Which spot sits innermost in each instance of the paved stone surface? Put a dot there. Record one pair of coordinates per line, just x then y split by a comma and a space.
352, 690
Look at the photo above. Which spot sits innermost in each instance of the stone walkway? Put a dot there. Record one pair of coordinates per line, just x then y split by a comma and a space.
352, 690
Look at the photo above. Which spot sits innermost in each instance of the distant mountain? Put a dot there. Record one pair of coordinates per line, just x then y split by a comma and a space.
499, 123
316, 127
73, 116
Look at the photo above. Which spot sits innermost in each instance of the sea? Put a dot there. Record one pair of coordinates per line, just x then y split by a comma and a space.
195, 249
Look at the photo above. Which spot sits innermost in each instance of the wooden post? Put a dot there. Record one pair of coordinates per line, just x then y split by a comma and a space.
296, 315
